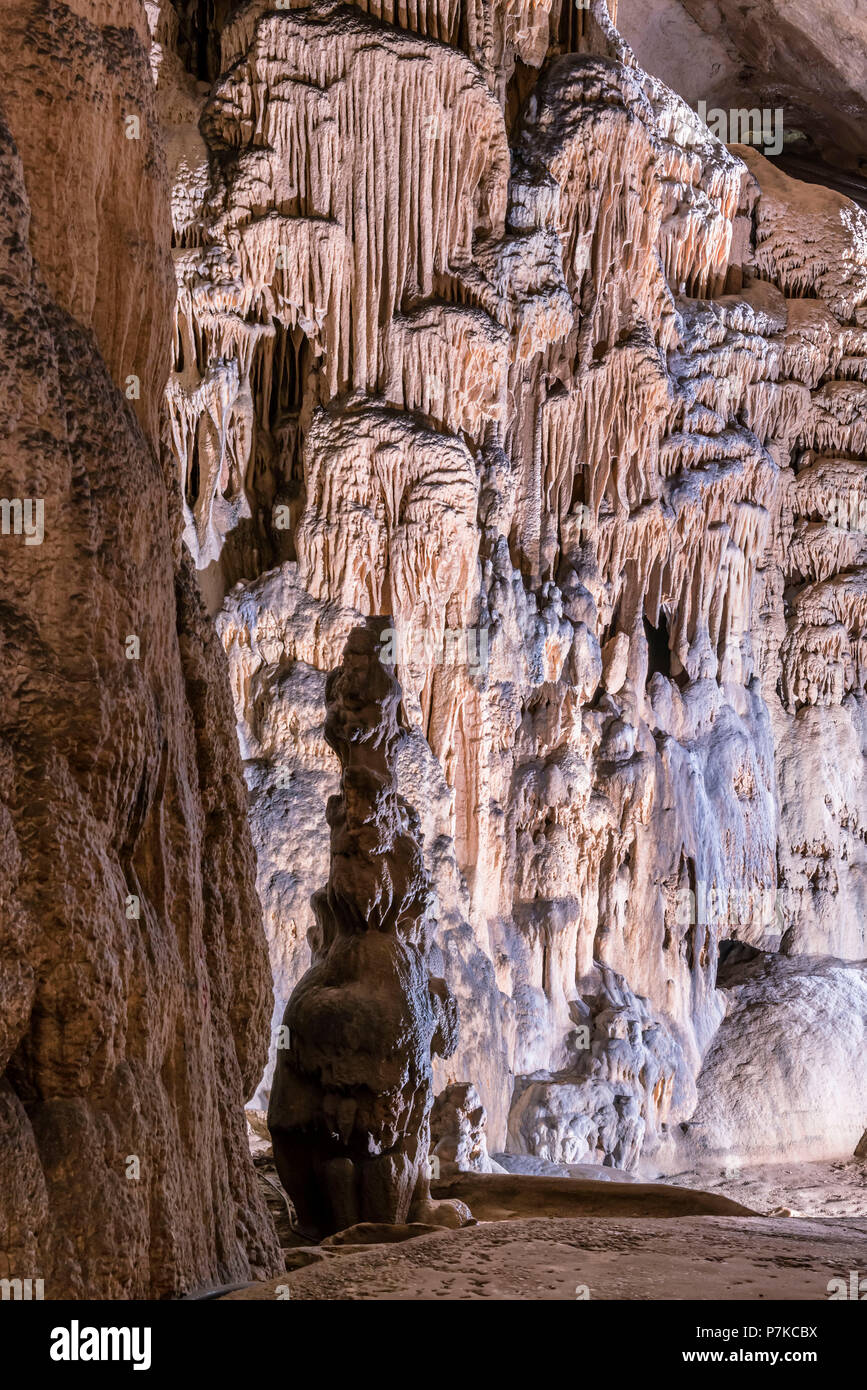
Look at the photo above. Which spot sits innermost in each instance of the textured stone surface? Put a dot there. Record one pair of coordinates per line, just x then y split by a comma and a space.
507, 1196
458, 1140
795, 1029
531, 362
825, 1188
520, 356
349, 1113
806, 57
127, 1043
709, 1258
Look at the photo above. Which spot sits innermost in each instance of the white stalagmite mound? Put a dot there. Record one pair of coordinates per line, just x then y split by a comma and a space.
784, 1078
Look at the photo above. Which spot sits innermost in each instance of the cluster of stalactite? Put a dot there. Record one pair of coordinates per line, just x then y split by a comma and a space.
479, 327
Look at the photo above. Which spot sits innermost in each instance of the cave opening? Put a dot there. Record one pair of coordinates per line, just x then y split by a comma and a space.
611, 627
579, 488
733, 956
572, 27
521, 84
292, 364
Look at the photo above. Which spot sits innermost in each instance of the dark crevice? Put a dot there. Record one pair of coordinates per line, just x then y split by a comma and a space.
200, 23
194, 480
280, 379
658, 647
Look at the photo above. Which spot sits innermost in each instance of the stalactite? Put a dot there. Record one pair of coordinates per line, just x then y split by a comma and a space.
574, 388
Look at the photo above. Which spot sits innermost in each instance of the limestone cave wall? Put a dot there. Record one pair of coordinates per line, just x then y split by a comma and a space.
134, 981
478, 326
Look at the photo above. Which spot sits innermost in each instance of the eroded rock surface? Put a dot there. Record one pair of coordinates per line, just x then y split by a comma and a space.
458, 1138
805, 57
134, 988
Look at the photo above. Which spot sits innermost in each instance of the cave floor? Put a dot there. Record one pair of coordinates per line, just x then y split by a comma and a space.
826, 1189
679, 1258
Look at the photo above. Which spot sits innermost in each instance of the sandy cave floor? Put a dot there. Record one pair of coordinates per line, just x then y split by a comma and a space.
551, 1238
708, 1258
830, 1188
827, 1189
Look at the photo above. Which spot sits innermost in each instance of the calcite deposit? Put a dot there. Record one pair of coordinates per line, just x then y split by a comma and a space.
350, 1106
452, 339
522, 357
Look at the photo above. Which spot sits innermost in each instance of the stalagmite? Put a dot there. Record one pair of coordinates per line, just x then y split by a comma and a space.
350, 1106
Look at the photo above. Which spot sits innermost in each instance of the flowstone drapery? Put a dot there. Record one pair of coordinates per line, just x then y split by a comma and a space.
523, 355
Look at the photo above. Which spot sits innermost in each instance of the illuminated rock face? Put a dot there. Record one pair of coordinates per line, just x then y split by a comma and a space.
805, 57
479, 327
134, 986
350, 1105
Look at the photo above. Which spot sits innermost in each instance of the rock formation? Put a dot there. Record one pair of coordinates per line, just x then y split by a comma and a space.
458, 1139
133, 972
805, 58
350, 1107
527, 358
478, 331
